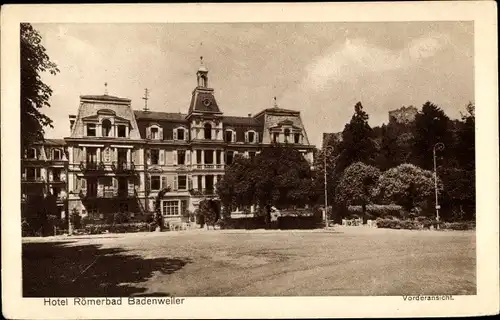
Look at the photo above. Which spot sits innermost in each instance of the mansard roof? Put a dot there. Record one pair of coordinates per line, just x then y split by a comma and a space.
160, 116
241, 121
199, 104
104, 97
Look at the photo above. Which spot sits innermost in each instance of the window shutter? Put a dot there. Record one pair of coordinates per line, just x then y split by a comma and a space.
190, 182
83, 184
256, 137
164, 182
246, 136
175, 183
234, 136
84, 154
162, 157
186, 132
175, 157
148, 133
175, 134
160, 134
188, 157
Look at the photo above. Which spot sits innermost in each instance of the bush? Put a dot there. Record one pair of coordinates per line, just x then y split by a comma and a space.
120, 218
299, 222
120, 228
468, 225
243, 223
375, 211
398, 224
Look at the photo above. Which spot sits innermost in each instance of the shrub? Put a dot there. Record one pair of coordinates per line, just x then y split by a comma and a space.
468, 225
375, 211
299, 222
398, 224
120, 228
243, 223
120, 218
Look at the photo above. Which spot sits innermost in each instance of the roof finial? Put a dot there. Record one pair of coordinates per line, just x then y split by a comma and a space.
275, 103
146, 98
105, 88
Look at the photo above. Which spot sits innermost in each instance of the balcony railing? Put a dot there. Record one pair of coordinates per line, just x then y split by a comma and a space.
209, 166
202, 192
92, 166
110, 193
123, 166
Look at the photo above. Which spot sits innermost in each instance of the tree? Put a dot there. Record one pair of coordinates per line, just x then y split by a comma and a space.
35, 94
279, 176
357, 185
158, 215
208, 208
466, 151
396, 141
406, 185
432, 125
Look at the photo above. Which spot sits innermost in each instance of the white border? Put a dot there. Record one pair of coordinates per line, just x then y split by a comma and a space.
483, 13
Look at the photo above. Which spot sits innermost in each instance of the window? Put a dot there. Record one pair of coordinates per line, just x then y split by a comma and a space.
181, 157
56, 174
181, 182
287, 134
91, 132
229, 157
180, 134
31, 154
208, 131
296, 137
122, 131
32, 173
155, 183
155, 133
155, 156
251, 136
170, 208
56, 154
229, 136
276, 136
106, 128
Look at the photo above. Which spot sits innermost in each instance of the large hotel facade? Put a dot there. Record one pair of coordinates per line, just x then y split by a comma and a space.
119, 159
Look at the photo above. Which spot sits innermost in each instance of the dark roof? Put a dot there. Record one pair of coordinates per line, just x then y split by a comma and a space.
53, 142
203, 100
280, 110
155, 115
241, 121
104, 97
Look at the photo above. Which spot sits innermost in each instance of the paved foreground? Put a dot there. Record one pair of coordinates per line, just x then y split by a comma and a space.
347, 261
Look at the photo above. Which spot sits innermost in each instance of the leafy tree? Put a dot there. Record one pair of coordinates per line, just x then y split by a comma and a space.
158, 215
396, 141
432, 125
357, 185
406, 185
458, 200
279, 176
35, 94
466, 151
208, 208
357, 141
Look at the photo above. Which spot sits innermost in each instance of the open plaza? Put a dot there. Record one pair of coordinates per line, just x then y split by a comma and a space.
342, 261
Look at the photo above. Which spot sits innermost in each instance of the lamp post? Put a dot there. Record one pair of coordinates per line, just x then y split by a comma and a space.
439, 147
326, 187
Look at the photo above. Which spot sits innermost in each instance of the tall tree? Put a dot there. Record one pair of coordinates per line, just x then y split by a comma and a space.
466, 151
35, 94
432, 125
357, 141
279, 176
357, 185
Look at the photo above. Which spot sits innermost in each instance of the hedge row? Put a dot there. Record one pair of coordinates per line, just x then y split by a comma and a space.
375, 211
423, 223
120, 228
286, 222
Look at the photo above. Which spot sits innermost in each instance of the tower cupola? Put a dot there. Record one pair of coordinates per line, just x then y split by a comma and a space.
202, 75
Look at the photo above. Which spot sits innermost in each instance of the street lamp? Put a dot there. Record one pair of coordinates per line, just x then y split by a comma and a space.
439, 147
326, 187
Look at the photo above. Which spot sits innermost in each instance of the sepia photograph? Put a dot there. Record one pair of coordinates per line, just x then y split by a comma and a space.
163, 161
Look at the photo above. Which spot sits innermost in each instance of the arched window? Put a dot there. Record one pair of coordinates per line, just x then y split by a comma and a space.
208, 131
106, 128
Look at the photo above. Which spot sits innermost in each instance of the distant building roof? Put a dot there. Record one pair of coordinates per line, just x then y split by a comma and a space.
52, 142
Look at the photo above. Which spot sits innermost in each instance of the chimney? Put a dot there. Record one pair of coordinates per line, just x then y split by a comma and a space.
249, 115
72, 119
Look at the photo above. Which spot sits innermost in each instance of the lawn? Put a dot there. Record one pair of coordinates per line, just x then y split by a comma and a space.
348, 261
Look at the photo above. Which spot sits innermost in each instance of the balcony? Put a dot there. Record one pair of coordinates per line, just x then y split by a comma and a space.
92, 166
203, 192
209, 166
25, 178
110, 193
123, 167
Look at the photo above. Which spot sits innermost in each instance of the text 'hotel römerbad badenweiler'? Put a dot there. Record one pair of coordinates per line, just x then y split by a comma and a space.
90, 302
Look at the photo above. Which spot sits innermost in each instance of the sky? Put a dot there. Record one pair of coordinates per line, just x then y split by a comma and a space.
319, 69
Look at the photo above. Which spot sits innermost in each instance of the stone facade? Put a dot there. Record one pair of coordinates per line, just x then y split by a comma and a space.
120, 159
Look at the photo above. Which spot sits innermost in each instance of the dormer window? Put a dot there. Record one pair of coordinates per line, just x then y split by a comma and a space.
276, 136
31, 154
208, 131
287, 134
229, 136
56, 154
122, 131
179, 134
91, 130
296, 138
106, 128
251, 136
154, 133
